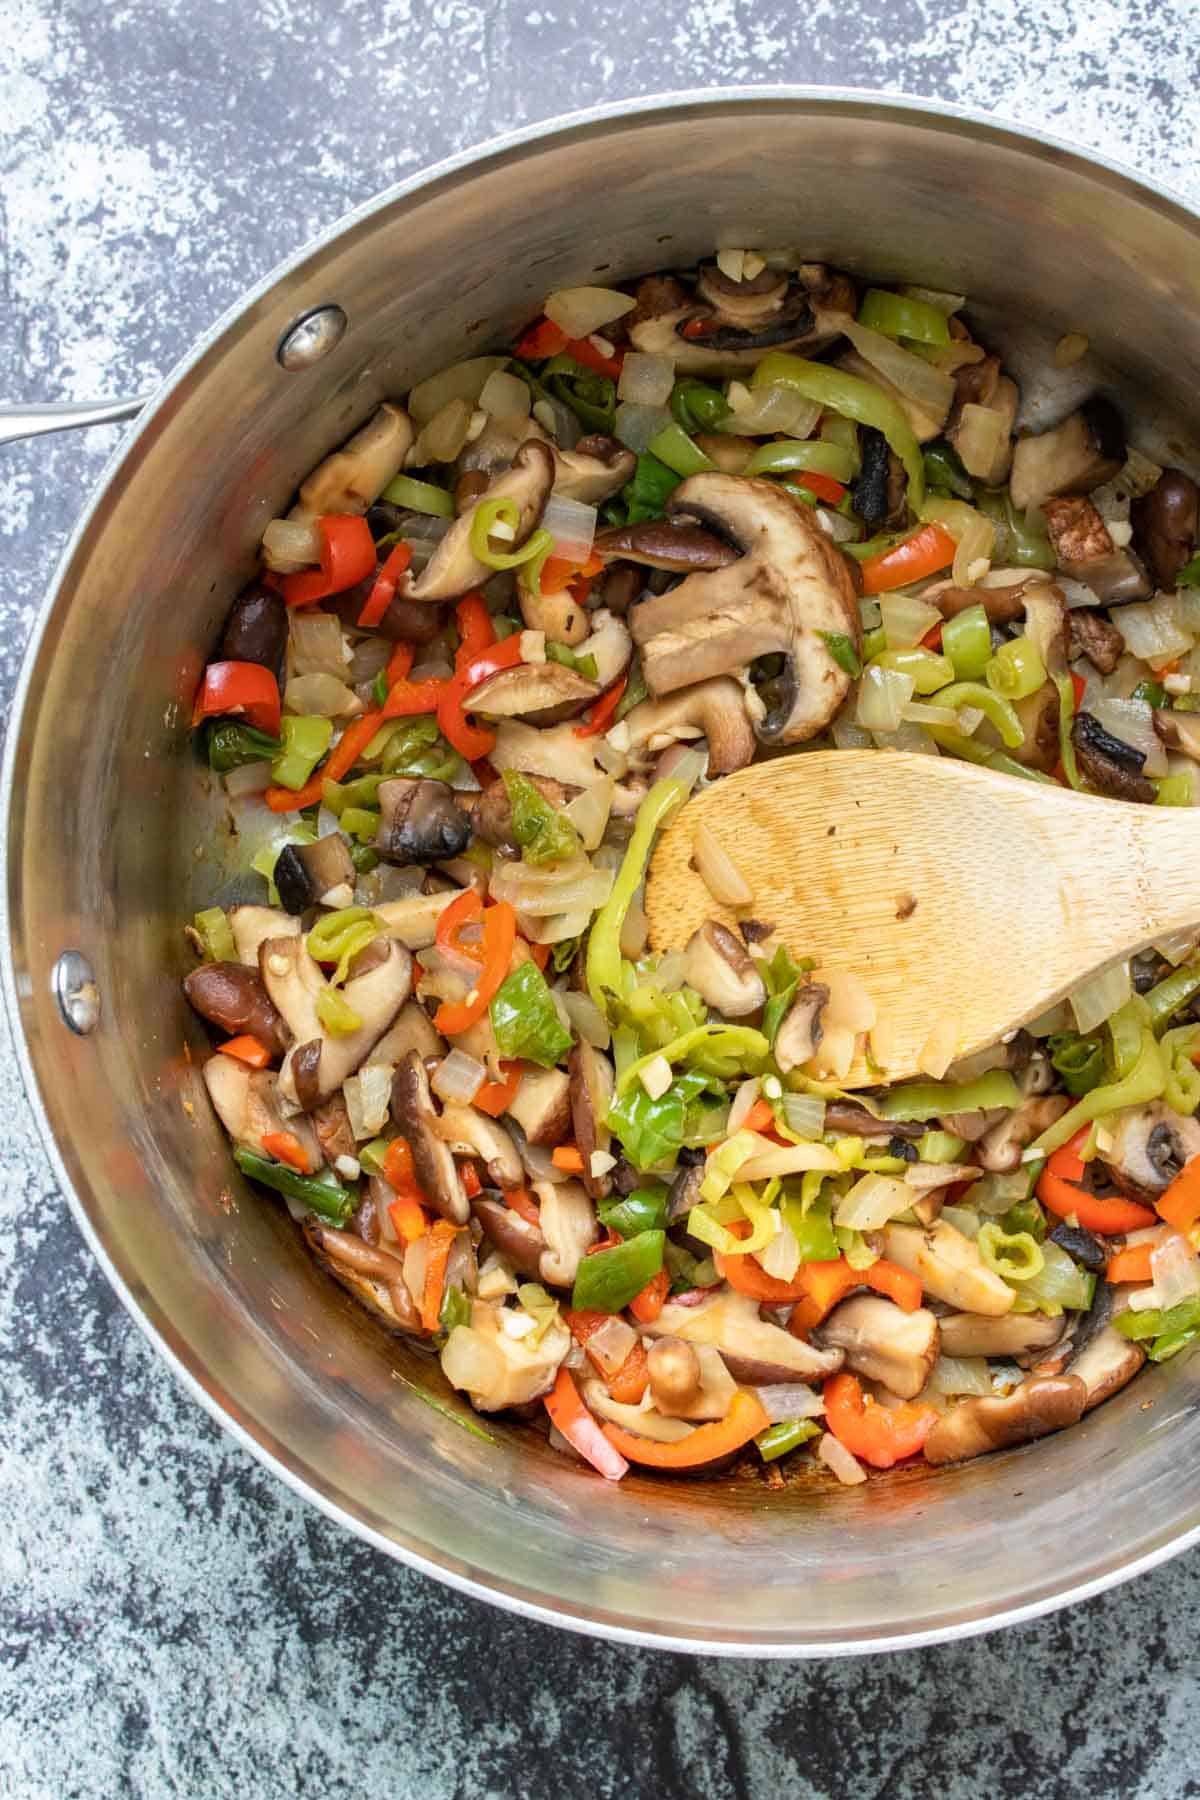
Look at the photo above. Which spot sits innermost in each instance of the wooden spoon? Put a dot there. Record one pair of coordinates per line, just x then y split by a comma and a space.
969, 902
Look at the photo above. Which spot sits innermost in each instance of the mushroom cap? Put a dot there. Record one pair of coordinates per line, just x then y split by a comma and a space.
540, 693
722, 971
434, 1166
716, 707
883, 1342
420, 821
454, 569
233, 997
753, 1348
994, 1422
663, 544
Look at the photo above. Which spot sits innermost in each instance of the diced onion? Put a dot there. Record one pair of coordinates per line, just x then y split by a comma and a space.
291, 544
834, 1454
789, 1400
975, 547
581, 310
1100, 996
1132, 721
743, 1101
981, 439
790, 1159
804, 1114
850, 1003
781, 1257
461, 381
849, 736
458, 1078
835, 1053
671, 973
882, 696
568, 887
760, 412
732, 264
637, 424
505, 396
964, 1220
589, 812
646, 380
906, 619
368, 1096
835, 526
911, 375
470, 1361
1176, 947
250, 778
320, 696
871, 1202
718, 871
572, 525
961, 1375
917, 712
316, 645
1151, 630
940, 1048
554, 928
1176, 1273
609, 1346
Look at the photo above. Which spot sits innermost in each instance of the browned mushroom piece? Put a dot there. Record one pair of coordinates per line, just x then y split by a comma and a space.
413, 1111
233, 997
973, 1334
673, 1367
404, 621
591, 1077
752, 1348
472, 1133
1108, 764
256, 630
596, 469
662, 544
1038, 715
247, 1103
999, 1149
318, 1063
542, 1106
420, 822
543, 693
808, 318
320, 874
454, 569
985, 411
519, 1242
413, 1030
950, 1267
350, 479
715, 708
1086, 450
373, 1275
800, 1031
1150, 1145
1040, 1405
883, 1342
1179, 731
568, 1225
1094, 636
849, 1116
493, 810
722, 971
1106, 1363
253, 925
1166, 524
1085, 550
789, 593
331, 1120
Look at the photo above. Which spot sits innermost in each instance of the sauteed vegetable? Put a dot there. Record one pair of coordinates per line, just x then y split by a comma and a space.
499, 638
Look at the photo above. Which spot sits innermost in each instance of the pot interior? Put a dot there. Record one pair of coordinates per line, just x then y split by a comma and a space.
117, 835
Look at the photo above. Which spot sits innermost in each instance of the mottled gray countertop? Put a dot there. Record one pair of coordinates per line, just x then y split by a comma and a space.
173, 1621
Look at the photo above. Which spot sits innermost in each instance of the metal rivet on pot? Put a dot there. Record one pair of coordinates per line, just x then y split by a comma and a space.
75, 989
311, 337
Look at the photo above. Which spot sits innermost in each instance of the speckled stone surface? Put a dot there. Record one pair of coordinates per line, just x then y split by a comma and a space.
172, 1621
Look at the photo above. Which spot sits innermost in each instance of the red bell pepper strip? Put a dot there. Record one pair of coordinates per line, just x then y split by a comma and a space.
1131, 1264
340, 761
573, 1420
246, 1049
586, 353
286, 1147
1059, 1194
465, 909
599, 717
747, 1416
647, 1305
384, 590
698, 328
467, 738
347, 557
499, 936
823, 486
495, 1097
933, 638
398, 664
476, 632
626, 1384
568, 1158
408, 698
1180, 1204
928, 549
521, 1201
879, 1435
558, 572
896, 1284
442, 1234
469, 1176
242, 688
541, 341
408, 1219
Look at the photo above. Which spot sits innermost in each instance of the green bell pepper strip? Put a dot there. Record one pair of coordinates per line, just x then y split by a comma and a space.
842, 650
791, 453
674, 448
328, 1199
542, 832
811, 1220
419, 496
336, 796
1145, 1081
720, 1050
1170, 995
1151, 693
371, 1156
788, 1434
525, 1019
1078, 1060
230, 746
898, 316
652, 486
1007, 765
698, 407
1016, 670
930, 673
1060, 1282
1189, 575
967, 641
363, 858
336, 1013
995, 710
1027, 1218
855, 399
1013, 1255
1175, 790
944, 470
337, 937
1017, 542
930, 1099
843, 432
414, 747
304, 742
1171, 1330
941, 1147
608, 1280
216, 934
643, 1210
456, 1309
604, 943
361, 822
592, 397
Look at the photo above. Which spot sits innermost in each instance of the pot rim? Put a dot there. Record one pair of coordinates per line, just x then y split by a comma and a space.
566, 127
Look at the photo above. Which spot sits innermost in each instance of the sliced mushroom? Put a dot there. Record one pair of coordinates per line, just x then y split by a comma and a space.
971, 1334
1166, 524
542, 1106
749, 304
641, 1421
883, 1342
714, 1389
591, 1077
723, 973
753, 1349
1085, 550
596, 469
540, 693
568, 1226
787, 594
247, 1103
413, 922
1038, 716
420, 822
800, 1033
454, 569
331, 1121
949, 1266
847, 1115
609, 645
497, 1370
1000, 1148
471, 1133
353, 477
809, 320
1105, 1363
1081, 1245
253, 925
1108, 764
374, 1276
1150, 1146
716, 708
315, 874
413, 1030
559, 615
1043, 1404
1003, 605
1082, 453
663, 544
516, 1239
1094, 636
434, 1166
233, 997
376, 995
1179, 731
684, 1192
256, 630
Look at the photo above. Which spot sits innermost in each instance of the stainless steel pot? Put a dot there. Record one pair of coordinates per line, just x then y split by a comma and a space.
113, 838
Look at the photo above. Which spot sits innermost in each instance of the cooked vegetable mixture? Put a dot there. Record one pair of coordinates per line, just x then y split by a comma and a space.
501, 636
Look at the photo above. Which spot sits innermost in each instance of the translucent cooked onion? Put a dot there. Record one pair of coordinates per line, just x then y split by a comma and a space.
316, 645
871, 1202
743, 1101
637, 424
291, 544
1151, 630
912, 376
368, 1095
781, 1257
609, 1346
461, 381
1100, 996
1176, 1276
444, 436
646, 380
572, 525
250, 778
804, 1114
469, 1360
961, 1375
1176, 947
581, 310
882, 696
1133, 722
718, 871
505, 396
320, 696
789, 1400
567, 887
554, 928
589, 812
635, 928
689, 769
834, 1454
789, 1159
849, 736
458, 1078
760, 412
982, 437
975, 547
906, 619
587, 1019
918, 712
671, 973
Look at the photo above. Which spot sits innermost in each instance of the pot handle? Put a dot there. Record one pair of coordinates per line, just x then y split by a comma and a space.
17, 422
